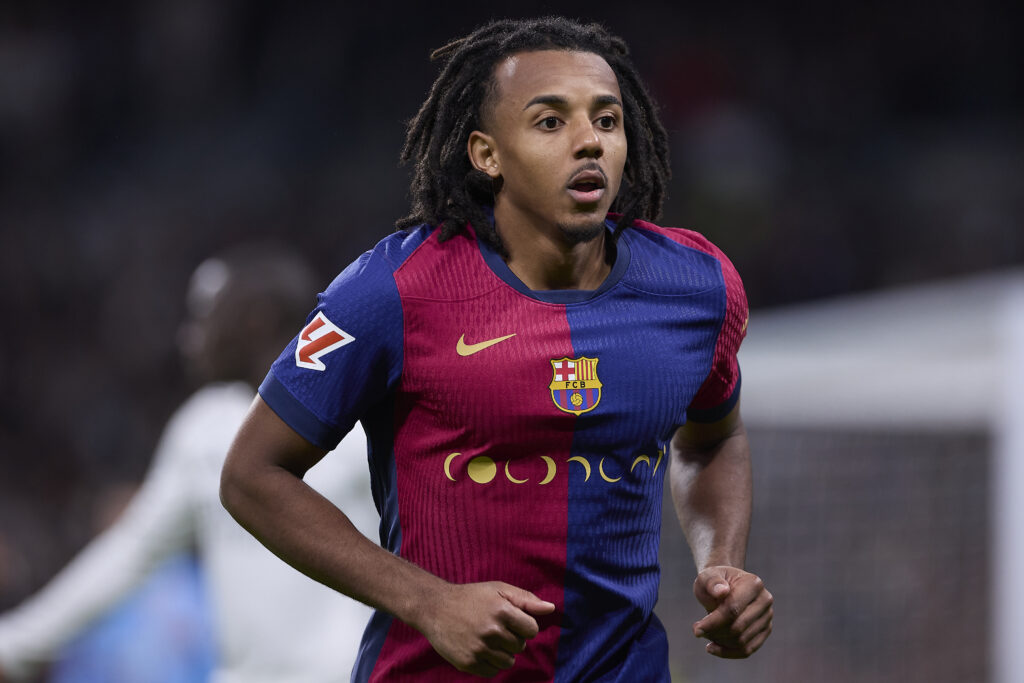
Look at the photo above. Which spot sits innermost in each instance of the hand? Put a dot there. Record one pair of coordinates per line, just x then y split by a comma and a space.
480, 627
739, 611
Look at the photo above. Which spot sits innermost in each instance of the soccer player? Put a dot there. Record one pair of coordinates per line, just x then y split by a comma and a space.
271, 623
530, 359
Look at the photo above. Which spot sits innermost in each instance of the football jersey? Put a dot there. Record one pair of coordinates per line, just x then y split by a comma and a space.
519, 435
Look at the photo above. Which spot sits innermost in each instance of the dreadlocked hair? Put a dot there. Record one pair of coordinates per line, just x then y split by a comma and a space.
447, 190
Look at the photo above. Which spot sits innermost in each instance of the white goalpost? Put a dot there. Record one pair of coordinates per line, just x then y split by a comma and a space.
888, 437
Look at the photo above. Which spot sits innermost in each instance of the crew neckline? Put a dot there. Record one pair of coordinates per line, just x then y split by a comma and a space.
498, 266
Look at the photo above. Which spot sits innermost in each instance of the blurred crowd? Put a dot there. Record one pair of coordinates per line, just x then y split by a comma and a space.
826, 149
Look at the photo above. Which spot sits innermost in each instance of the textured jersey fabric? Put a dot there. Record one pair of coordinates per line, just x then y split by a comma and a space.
272, 624
521, 436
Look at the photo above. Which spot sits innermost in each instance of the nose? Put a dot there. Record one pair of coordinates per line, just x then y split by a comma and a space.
587, 141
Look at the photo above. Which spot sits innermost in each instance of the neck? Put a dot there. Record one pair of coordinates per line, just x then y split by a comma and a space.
545, 259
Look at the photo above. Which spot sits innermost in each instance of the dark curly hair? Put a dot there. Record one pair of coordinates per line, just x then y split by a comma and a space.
447, 190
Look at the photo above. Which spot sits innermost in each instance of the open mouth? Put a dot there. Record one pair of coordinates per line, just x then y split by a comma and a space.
587, 187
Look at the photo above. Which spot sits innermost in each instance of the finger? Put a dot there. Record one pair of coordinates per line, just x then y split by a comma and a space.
525, 600
519, 623
476, 663
485, 669
733, 637
754, 617
499, 659
725, 623
745, 603
521, 603
716, 621
740, 651
710, 587
748, 589
763, 623
505, 641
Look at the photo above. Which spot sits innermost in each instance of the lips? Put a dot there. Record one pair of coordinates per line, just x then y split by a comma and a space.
587, 186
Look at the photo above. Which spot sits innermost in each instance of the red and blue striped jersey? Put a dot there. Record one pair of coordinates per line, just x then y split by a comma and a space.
521, 436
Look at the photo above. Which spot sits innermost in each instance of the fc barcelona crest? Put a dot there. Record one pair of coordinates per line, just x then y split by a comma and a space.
575, 387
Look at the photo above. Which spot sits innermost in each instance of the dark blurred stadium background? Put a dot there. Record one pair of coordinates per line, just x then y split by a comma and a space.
827, 149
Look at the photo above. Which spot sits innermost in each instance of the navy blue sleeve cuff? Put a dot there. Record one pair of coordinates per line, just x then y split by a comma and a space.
297, 416
718, 412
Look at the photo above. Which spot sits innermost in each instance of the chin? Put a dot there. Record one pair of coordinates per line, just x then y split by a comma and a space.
586, 229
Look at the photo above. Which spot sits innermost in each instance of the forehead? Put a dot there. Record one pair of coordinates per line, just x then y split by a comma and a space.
523, 76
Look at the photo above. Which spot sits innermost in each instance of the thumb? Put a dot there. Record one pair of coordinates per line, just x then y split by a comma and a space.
526, 601
710, 588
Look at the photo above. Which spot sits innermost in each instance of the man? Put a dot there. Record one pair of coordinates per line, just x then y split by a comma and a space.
522, 362
271, 623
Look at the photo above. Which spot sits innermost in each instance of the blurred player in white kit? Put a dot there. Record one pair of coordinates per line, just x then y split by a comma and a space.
272, 623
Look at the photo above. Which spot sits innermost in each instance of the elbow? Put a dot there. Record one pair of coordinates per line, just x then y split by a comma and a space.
231, 487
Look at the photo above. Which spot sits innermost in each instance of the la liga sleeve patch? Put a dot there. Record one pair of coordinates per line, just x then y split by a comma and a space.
319, 338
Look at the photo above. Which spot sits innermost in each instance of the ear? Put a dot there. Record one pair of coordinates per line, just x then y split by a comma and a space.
483, 154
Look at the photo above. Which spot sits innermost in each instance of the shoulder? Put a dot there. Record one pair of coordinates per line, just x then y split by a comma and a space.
411, 256
680, 255
418, 264
682, 237
387, 256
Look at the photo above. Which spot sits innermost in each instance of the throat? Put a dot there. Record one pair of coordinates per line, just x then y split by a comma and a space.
582, 266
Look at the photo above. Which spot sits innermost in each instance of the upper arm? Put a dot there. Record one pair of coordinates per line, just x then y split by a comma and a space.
346, 359
696, 438
718, 395
265, 440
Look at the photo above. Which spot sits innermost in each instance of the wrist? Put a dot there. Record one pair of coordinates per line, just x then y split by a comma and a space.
422, 600
721, 561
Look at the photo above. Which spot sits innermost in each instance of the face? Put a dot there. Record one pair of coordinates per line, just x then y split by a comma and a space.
555, 140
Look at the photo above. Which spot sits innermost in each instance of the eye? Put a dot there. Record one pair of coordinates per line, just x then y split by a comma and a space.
550, 123
607, 122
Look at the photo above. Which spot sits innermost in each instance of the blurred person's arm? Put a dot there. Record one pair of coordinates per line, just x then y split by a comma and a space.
156, 524
477, 627
711, 486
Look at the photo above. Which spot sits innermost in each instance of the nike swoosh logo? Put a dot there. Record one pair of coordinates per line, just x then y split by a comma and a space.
464, 349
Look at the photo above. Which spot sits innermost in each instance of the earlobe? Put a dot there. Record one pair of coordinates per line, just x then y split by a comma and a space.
482, 154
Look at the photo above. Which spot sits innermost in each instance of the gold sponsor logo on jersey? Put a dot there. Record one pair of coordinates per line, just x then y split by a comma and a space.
482, 469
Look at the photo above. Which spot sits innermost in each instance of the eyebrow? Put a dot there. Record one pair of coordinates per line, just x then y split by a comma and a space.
559, 101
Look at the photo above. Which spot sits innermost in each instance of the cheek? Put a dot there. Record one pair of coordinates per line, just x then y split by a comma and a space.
615, 158
532, 170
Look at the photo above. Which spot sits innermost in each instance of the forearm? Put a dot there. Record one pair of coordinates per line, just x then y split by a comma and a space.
711, 488
153, 527
310, 533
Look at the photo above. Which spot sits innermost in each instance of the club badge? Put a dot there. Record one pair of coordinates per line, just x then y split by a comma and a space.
575, 387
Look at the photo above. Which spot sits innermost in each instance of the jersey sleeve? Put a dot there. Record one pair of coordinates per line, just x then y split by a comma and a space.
346, 358
720, 391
